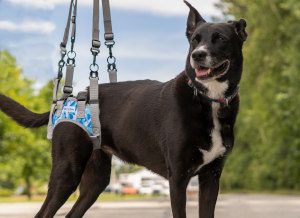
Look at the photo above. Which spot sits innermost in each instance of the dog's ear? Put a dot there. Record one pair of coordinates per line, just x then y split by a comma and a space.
240, 28
193, 19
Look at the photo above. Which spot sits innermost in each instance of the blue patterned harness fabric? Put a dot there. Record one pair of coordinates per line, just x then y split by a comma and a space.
69, 112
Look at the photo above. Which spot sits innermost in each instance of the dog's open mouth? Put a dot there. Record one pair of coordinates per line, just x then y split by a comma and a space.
205, 72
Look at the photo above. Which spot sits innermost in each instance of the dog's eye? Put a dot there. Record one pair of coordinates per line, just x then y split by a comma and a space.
220, 38
197, 39
217, 37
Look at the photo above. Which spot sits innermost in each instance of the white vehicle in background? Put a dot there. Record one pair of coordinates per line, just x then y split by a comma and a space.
146, 187
150, 186
165, 189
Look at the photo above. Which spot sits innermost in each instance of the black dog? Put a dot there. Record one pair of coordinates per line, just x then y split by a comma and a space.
174, 129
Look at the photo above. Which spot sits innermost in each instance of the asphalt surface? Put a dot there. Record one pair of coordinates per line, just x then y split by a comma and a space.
228, 206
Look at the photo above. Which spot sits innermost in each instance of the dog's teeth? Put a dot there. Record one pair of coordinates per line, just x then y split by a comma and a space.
209, 71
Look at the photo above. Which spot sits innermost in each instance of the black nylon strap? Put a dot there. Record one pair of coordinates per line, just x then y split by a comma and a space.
109, 36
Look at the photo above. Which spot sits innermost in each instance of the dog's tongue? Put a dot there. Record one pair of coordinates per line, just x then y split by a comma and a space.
202, 71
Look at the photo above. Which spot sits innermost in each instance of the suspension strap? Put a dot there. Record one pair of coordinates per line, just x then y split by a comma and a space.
94, 87
68, 88
64, 42
109, 41
95, 40
108, 35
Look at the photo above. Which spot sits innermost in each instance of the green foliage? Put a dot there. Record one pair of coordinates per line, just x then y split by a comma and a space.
127, 168
6, 193
24, 153
267, 147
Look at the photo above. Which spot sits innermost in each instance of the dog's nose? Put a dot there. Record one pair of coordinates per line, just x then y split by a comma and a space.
199, 55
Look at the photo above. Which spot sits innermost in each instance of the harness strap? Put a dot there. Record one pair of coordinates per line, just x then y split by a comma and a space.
68, 88
109, 41
60, 105
95, 112
94, 92
81, 102
112, 76
50, 124
95, 35
81, 109
64, 42
109, 36
74, 24
55, 89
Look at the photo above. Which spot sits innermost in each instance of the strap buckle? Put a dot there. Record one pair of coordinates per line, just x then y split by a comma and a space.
63, 49
109, 37
94, 101
96, 44
68, 89
82, 96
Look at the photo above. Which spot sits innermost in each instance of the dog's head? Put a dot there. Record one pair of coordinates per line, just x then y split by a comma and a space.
215, 50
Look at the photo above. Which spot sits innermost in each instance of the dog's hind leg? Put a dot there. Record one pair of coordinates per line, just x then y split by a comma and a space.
94, 180
71, 151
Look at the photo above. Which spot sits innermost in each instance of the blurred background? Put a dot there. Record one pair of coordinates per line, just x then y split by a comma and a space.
151, 44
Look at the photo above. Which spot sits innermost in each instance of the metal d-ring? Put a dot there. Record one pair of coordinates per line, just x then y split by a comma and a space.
61, 63
111, 60
95, 69
71, 55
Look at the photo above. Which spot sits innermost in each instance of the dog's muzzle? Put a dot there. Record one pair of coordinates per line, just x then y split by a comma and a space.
205, 72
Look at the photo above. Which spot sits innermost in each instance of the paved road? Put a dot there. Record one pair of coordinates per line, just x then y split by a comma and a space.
228, 206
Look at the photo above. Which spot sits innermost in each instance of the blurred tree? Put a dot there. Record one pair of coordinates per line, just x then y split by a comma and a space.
24, 153
126, 168
267, 148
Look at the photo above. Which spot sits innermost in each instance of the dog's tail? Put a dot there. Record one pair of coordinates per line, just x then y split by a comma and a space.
22, 115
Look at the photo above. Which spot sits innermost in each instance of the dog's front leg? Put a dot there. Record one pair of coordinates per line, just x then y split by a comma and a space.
209, 180
178, 184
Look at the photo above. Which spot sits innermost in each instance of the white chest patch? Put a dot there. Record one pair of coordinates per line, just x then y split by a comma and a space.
215, 90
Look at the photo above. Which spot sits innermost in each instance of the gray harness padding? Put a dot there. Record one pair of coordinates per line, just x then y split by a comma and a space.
94, 89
